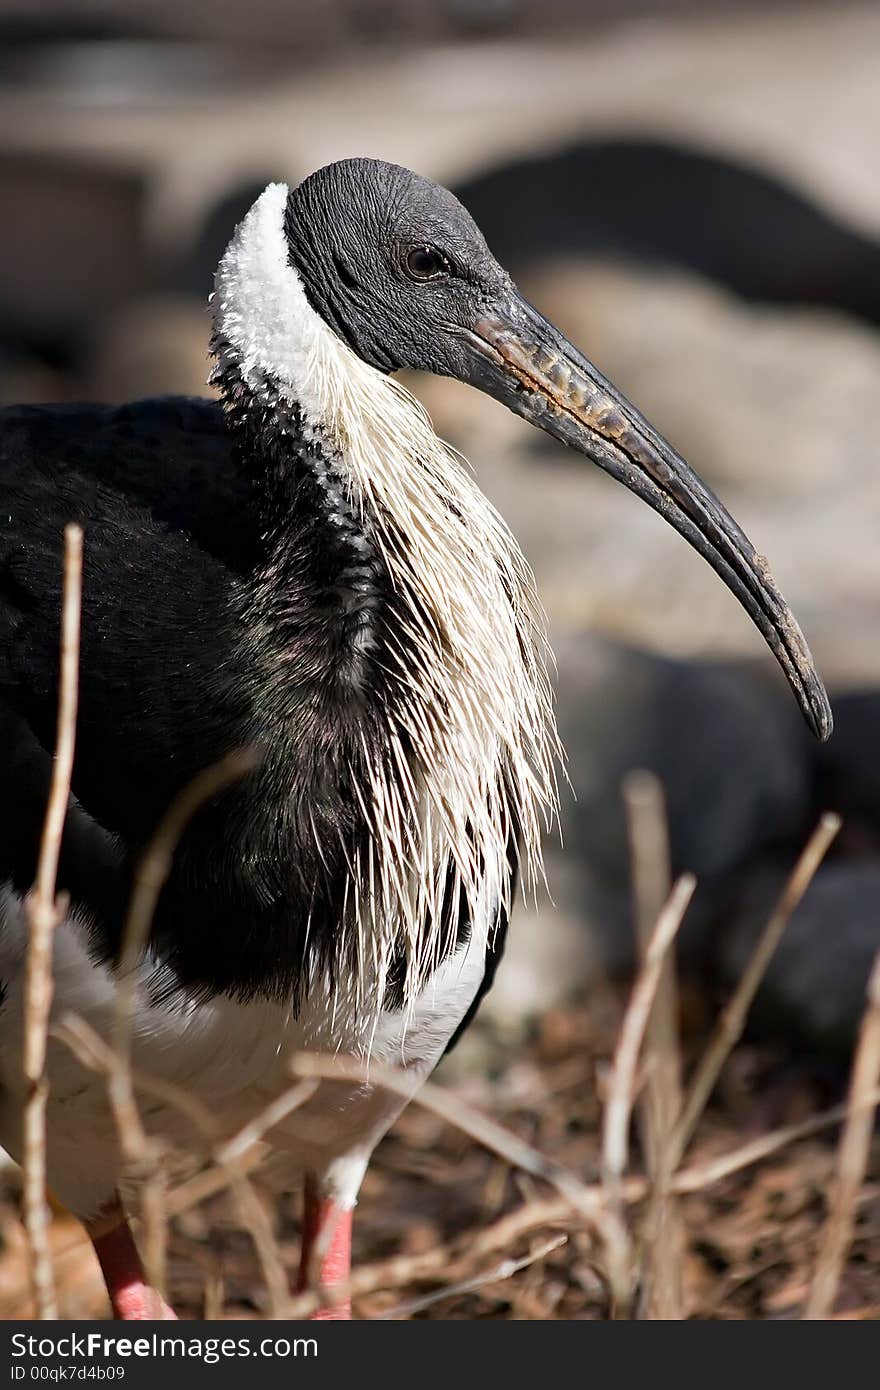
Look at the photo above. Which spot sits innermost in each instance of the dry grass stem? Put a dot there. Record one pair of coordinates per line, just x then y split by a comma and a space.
505, 1270
94, 1053
399, 1270
700, 1175
632, 1032
143, 1153
448, 1259
652, 884
852, 1158
151, 875
605, 1206
622, 1088
215, 1295
201, 1187
584, 1198
732, 1020
645, 1074
660, 1102
150, 878
154, 1229
557, 1211
272, 1114
455, 1259
43, 914
257, 1222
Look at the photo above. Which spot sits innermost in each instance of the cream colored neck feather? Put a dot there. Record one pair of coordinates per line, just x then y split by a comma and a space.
473, 699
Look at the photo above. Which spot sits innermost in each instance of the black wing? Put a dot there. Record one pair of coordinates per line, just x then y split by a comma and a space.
173, 543
167, 529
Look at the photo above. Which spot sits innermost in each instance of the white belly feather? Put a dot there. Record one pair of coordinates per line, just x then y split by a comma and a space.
232, 1057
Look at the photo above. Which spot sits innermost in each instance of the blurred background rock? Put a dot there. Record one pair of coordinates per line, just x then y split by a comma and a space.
691, 191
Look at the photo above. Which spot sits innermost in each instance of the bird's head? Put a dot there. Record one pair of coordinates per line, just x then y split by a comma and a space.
399, 271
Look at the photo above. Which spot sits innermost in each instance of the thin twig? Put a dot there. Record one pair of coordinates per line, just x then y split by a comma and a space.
626, 1056
208, 1183
731, 1022
589, 1201
154, 1225
399, 1270
272, 1114
143, 1152
452, 1256
852, 1159
652, 884
505, 1270
659, 1105
554, 1211
560, 1210
44, 913
622, 1086
94, 1053
215, 1295
89, 1047
151, 876
713, 1170
584, 1198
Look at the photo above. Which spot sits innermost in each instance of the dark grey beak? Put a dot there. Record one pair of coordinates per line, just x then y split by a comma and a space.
519, 358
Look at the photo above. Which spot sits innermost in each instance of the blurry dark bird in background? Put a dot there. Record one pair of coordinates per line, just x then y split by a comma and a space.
660, 204
646, 201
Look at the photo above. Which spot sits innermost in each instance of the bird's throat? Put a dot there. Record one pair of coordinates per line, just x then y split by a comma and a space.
319, 531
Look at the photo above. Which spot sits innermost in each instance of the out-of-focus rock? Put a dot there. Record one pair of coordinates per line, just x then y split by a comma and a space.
774, 401
24, 381
723, 742
740, 224
815, 984
727, 748
847, 771
152, 347
552, 948
73, 242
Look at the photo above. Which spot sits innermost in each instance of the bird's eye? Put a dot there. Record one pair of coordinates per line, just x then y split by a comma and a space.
426, 263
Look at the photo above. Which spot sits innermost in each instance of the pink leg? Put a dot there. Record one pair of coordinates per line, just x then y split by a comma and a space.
131, 1297
326, 1237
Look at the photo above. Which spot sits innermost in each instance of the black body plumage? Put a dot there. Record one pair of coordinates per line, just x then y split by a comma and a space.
211, 620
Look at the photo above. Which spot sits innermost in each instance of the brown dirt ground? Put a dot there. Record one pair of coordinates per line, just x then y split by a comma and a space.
751, 1237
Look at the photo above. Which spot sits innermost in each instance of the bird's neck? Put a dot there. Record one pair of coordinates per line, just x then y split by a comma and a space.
390, 578
283, 375
320, 555
404, 562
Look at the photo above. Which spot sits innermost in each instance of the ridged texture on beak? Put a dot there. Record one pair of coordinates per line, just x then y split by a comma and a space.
529, 365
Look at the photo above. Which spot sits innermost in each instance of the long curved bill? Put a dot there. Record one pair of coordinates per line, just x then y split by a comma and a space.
519, 358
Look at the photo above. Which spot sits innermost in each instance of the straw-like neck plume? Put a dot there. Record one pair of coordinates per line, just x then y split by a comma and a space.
453, 666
